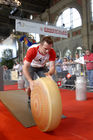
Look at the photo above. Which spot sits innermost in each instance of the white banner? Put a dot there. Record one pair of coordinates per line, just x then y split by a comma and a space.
43, 29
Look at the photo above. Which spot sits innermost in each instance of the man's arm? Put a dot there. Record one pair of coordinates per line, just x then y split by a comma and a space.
51, 68
26, 73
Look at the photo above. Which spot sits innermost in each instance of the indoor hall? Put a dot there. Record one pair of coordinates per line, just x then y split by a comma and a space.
62, 102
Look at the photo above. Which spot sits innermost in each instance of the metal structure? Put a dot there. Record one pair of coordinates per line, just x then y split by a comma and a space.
24, 9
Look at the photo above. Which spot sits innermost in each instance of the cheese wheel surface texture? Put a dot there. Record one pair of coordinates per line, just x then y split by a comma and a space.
46, 104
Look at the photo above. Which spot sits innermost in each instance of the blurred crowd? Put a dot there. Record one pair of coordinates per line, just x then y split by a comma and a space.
66, 69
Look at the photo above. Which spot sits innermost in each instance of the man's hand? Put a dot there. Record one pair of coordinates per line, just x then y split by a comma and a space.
86, 61
48, 75
31, 83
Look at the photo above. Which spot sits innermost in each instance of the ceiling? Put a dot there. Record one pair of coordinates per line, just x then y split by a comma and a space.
27, 8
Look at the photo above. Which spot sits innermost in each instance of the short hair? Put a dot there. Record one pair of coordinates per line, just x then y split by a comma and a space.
57, 56
47, 39
88, 50
77, 53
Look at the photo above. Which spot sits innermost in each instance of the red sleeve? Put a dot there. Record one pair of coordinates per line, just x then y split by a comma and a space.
31, 53
52, 55
91, 58
24, 59
84, 57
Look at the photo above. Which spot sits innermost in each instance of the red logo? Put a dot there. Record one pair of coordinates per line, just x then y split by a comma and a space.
59, 83
68, 75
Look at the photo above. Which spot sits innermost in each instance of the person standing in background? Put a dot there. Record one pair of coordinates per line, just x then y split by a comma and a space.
58, 66
88, 58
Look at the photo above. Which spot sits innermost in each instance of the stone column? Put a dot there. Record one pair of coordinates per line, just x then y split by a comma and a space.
85, 23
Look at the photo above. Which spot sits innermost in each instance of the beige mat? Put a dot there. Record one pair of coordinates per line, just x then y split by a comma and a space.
16, 102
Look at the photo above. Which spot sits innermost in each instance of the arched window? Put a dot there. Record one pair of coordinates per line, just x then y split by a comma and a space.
92, 9
36, 36
69, 19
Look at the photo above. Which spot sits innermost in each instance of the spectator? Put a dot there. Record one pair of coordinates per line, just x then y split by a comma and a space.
64, 69
71, 66
77, 69
16, 67
65, 66
58, 67
88, 58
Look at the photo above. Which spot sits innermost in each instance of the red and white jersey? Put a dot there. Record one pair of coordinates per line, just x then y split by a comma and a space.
36, 58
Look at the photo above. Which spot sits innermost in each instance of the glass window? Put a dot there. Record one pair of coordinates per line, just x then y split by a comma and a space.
69, 19
36, 37
92, 9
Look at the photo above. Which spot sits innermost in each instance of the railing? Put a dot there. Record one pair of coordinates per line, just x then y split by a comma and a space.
65, 79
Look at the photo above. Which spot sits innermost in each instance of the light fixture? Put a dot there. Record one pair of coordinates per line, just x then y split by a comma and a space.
13, 10
11, 2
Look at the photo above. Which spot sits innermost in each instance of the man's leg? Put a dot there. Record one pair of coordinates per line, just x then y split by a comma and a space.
28, 91
41, 72
27, 88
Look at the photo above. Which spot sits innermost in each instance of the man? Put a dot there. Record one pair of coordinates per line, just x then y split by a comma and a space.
88, 58
79, 63
58, 63
35, 60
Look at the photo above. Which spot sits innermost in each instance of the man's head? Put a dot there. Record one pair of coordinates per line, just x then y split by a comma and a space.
65, 59
46, 44
57, 57
76, 55
87, 52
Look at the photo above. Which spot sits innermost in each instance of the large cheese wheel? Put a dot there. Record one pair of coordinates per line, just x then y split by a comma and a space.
46, 105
